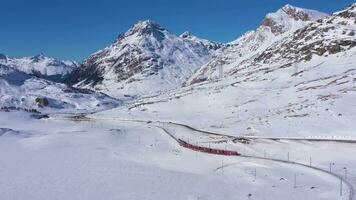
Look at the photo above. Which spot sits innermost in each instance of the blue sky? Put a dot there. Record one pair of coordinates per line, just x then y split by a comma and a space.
73, 29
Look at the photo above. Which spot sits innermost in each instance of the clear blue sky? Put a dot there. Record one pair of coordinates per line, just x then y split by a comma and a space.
73, 29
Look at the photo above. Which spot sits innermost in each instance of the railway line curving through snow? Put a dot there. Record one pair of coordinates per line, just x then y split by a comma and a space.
351, 190
351, 194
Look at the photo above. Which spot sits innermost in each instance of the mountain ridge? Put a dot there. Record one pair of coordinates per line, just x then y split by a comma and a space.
40, 66
145, 60
274, 27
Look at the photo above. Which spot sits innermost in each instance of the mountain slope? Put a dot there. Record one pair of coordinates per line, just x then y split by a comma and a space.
146, 60
40, 66
294, 92
207, 43
327, 36
274, 28
21, 91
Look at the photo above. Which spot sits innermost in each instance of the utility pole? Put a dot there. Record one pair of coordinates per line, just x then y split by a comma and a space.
295, 180
330, 166
196, 152
264, 153
288, 156
340, 186
345, 172
255, 174
222, 165
310, 161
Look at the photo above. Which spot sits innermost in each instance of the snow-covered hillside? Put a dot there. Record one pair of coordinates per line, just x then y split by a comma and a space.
315, 97
330, 35
40, 66
19, 90
146, 60
295, 91
279, 123
275, 27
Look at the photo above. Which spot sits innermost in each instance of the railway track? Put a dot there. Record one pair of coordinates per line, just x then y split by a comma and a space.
351, 194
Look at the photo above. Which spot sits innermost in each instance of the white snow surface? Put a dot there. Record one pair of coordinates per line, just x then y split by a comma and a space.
104, 159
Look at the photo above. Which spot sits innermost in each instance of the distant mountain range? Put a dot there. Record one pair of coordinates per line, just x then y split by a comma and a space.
148, 60
26, 82
40, 66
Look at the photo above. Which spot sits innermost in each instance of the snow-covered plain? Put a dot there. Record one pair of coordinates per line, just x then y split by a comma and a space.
59, 158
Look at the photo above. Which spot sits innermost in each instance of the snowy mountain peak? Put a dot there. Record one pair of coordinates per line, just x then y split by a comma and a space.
186, 34
275, 27
144, 24
146, 27
145, 60
211, 45
285, 18
38, 57
322, 38
302, 13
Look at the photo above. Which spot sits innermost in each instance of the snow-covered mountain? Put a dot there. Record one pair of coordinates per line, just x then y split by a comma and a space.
22, 91
40, 66
324, 37
146, 60
303, 84
207, 43
275, 27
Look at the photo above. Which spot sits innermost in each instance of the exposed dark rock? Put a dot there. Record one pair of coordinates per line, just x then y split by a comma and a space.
42, 101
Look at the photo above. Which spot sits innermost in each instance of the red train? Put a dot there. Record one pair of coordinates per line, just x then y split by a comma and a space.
207, 149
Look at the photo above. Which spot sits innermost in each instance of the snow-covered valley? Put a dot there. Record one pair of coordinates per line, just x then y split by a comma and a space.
60, 158
157, 115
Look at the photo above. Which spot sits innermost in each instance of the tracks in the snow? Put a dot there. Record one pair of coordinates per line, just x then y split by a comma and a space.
349, 185
346, 182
